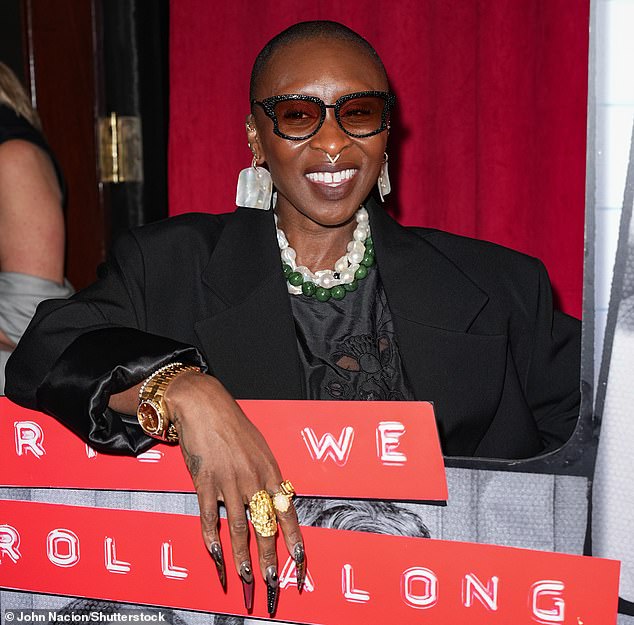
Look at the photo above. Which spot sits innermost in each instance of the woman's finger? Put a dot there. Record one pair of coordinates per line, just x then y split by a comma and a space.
265, 527
208, 504
239, 530
287, 518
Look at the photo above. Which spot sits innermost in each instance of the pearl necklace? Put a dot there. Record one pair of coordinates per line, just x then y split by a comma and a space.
327, 283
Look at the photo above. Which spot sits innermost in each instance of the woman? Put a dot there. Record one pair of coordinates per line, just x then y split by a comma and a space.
31, 217
339, 302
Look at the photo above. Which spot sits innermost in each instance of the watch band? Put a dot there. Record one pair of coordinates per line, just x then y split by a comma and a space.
151, 411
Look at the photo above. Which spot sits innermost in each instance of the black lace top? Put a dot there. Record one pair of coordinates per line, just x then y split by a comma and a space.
347, 348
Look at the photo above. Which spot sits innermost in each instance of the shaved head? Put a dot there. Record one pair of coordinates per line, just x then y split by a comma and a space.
304, 31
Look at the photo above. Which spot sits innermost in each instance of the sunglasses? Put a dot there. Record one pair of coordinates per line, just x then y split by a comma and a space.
297, 117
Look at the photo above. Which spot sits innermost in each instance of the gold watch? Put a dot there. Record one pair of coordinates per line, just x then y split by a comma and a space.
151, 411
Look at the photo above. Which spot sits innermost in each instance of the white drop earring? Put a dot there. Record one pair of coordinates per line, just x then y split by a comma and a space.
383, 183
255, 187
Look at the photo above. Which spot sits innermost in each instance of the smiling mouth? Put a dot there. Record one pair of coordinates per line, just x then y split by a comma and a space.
332, 179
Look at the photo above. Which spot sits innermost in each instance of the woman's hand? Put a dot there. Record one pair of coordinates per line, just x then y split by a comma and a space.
230, 461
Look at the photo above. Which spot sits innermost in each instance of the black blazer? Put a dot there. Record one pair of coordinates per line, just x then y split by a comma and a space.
474, 324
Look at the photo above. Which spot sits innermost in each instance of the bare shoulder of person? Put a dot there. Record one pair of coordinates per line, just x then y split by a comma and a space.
31, 217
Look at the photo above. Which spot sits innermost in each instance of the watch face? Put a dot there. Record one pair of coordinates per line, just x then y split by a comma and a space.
149, 416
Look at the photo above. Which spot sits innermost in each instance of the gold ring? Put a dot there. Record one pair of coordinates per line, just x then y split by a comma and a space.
263, 514
282, 498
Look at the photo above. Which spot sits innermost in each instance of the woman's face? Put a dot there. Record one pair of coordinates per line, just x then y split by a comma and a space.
327, 69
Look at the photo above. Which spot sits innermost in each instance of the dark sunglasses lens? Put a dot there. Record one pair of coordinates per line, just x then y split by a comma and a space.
363, 115
297, 118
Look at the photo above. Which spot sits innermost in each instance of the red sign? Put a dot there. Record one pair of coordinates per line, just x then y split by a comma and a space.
366, 450
355, 578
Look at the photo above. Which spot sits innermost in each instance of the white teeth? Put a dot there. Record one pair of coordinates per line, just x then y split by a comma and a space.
332, 179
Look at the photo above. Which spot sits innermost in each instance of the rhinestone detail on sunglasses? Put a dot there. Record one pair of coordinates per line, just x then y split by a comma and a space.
297, 117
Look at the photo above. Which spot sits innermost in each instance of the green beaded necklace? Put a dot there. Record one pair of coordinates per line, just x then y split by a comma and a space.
360, 258
338, 292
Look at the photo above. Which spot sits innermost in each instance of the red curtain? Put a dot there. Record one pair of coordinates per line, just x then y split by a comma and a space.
488, 138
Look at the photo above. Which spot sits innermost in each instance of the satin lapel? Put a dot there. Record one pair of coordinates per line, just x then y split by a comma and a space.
249, 335
433, 304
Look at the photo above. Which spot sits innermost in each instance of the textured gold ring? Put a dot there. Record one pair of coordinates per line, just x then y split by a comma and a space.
282, 498
263, 514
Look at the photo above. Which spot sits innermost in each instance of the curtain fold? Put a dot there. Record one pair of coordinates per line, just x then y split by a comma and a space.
489, 132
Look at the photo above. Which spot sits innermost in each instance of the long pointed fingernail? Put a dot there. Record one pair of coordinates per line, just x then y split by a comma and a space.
216, 554
272, 589
300, 565
246, 575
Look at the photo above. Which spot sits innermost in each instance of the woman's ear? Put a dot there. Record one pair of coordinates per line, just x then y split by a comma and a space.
254, 140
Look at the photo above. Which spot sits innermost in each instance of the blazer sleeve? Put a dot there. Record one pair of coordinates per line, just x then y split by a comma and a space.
78, 352
553, 374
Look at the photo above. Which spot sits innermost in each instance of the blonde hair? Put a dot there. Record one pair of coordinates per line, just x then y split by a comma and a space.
12, 94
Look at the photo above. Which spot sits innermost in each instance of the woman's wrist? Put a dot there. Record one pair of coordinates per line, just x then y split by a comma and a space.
188, 393
153, 410
180, 390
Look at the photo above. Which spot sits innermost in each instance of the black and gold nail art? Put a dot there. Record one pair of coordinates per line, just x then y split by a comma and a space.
272, 589
216, 553
248, 584
300, 565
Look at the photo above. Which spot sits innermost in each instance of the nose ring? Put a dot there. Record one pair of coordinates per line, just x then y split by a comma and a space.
333, 160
